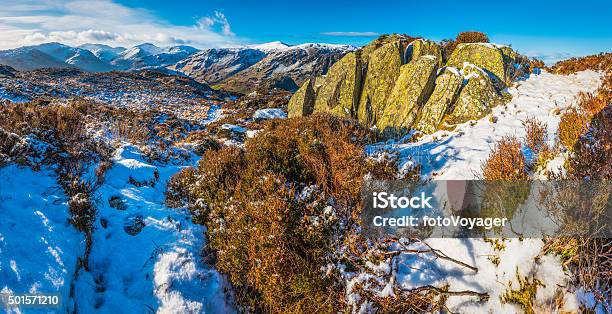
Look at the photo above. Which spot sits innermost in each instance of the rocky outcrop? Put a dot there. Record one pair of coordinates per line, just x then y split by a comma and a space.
339, 91
382, 71
476, 98
446, 90
302, 102
393, 83
423, 47
411, 90
484, 55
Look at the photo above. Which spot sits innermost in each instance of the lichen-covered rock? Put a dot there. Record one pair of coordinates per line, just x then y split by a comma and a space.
410, 91
484, 55
382, 40
382, 72
446, 90
423, 47
339, 93
302, 102
476, 98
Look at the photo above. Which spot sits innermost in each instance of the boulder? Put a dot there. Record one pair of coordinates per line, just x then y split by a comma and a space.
338, 94
423, 47
410, 91
383, 69
446, 90
382, 40
476, 98
302, 102
484, 55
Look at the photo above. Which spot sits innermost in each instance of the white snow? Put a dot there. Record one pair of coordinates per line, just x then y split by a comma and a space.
38, 247
159, 268
458, 154
269, 113
274, 45
233, 128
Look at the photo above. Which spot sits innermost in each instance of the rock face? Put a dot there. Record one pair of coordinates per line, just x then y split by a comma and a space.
484, 55
339, 94
383, 69
423, 47
411, 90
444, 95
394, 84
476, 98
302, 102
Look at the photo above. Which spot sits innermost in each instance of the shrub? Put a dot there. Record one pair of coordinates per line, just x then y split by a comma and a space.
277, 210
505, 162
592, 156
600, 62
535, 137
449, 45
572, 124
472, 37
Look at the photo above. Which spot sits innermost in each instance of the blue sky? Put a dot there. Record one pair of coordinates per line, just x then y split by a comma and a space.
555, 29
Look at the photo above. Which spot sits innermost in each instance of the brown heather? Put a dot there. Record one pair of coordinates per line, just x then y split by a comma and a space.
535, 137
505, 162
448, 46
263, 235
600, 62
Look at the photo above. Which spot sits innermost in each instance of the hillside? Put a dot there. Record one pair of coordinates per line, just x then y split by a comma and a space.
214, 189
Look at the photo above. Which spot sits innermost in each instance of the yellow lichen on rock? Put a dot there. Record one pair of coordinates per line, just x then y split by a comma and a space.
382, 71
484, 55
410, 91
339, 94
445, 93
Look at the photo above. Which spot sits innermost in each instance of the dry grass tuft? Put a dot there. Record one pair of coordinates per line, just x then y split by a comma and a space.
535, 137
506, 161
573, 123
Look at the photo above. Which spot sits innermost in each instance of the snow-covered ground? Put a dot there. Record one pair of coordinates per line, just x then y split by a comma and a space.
269, 113
38, 247
458, 155
145, 256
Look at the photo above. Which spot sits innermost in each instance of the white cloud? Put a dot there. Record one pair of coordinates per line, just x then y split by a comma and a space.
76, 22
351, 34
219, 19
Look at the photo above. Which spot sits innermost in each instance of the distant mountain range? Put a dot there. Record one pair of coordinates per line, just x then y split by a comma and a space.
243, 69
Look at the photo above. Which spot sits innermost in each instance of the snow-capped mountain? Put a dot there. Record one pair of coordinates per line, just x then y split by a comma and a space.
148, 55
275, 63
287, 67
274, 45
215, 65
53, 55
237, 69
103, 52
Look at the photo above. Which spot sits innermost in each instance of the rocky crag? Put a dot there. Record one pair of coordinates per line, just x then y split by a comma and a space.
398, 83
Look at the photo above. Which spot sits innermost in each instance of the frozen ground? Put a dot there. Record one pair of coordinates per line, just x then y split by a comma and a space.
38, 247
458, 155
145, 256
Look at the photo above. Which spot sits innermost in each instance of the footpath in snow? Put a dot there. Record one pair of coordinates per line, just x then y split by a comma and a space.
458, 154
145, 256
